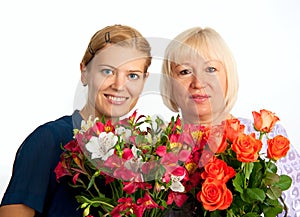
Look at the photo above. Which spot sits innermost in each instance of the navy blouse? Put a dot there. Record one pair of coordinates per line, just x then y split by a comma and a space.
33, 180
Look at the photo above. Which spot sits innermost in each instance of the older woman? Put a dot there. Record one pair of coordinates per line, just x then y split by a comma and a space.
200, 81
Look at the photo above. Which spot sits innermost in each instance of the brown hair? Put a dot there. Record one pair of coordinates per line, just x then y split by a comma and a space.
122, 35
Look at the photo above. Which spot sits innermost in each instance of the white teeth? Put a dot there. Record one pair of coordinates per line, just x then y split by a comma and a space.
117, 99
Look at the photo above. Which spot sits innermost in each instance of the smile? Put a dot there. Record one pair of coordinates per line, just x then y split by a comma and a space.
116, 99
199, 98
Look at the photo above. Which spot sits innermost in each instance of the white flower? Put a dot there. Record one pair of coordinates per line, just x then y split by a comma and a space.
124, 133
176, 184
102, 146
134, 164
85, 125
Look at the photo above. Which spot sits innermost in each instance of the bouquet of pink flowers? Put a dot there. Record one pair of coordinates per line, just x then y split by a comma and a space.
144, 167
125, 169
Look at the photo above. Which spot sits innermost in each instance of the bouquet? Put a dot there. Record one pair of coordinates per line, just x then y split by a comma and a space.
125, 169
144, 167
241, 180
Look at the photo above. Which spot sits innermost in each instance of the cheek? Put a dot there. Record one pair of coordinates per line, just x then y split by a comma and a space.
223, 82
135, 88
180, 89
219, 88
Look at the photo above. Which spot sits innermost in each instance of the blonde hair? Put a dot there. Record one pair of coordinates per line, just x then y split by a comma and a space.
208, 44
122, 35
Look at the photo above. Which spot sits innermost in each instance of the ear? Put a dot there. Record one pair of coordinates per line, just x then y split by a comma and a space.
83, 70
146, 74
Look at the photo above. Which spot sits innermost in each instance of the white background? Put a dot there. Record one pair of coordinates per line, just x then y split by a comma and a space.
42, 43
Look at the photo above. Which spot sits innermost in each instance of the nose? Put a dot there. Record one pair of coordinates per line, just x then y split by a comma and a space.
119, 81
198, 82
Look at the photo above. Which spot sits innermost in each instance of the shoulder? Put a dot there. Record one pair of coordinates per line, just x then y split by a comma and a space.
56, 128
49, 136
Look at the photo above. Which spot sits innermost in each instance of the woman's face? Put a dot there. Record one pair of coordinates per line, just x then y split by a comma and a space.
199, 89
115, 79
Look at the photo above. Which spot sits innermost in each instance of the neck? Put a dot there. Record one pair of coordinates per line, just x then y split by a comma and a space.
86, 112
206, 121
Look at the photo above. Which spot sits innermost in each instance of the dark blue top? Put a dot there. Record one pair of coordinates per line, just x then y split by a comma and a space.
33, 180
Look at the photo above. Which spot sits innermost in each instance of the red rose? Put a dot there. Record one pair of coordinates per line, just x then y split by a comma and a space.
278, 147
214, 195
246, 147
264, 121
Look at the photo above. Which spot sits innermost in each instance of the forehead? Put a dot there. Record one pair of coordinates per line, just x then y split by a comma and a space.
116, 56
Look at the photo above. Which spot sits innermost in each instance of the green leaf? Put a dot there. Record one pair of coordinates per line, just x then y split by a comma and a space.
271, 178
284, 182
271, 167
271, 211
92, 181
256, 175
248, 169
270, 202
251, 214
215, 213
274, 192
256, 194
245, 197
238, 182
82, 199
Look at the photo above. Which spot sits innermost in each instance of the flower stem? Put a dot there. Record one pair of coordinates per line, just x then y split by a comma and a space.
284, 206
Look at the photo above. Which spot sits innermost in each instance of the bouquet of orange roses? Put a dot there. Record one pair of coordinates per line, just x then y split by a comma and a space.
241, 180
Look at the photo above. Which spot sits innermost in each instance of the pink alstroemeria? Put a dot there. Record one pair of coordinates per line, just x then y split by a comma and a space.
131, 187
127, 154
177, 197
60, 171
148, 203
170, 162
127, 175
161, 150
127, 206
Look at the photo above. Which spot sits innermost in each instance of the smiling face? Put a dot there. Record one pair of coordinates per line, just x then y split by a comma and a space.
199, 88
115, 79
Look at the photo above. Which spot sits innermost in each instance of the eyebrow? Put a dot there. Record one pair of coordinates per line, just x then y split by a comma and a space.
107, 66
137, 70
112, 67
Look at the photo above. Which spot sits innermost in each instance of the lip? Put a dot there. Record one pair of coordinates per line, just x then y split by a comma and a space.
116, 100
199, 98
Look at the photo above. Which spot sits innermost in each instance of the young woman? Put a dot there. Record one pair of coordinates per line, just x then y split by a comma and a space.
114, 69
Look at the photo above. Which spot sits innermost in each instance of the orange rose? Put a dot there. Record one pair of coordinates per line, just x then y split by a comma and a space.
215, 138
264, 121
278, 147
233, 129
246, 147
221, 134
218, 169
214, 195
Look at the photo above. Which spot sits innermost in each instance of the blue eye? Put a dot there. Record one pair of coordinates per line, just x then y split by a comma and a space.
107, 71
210, 69
133, 76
